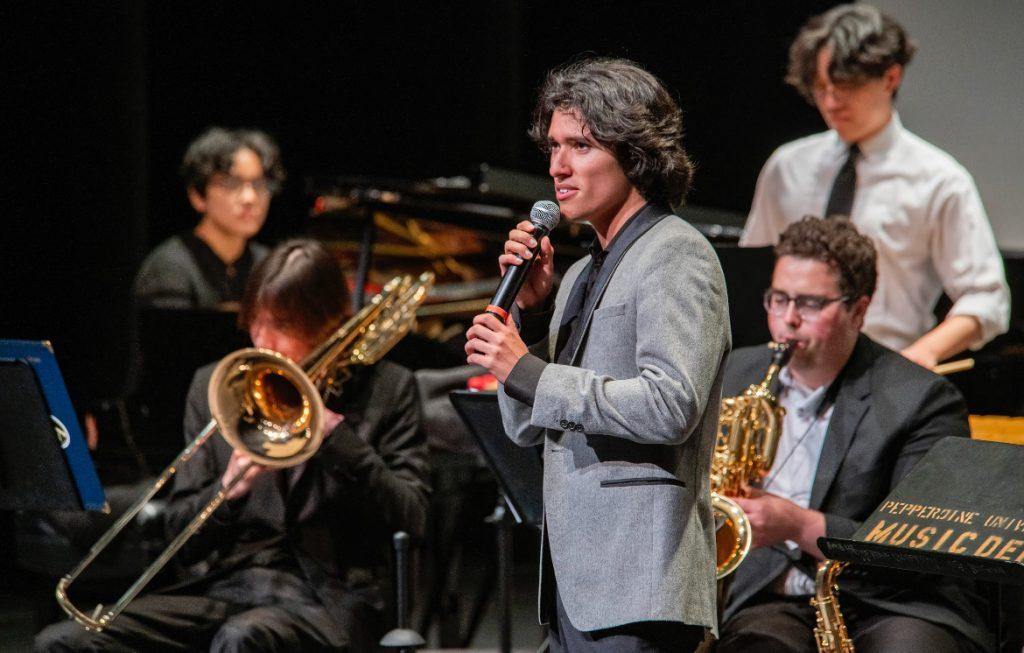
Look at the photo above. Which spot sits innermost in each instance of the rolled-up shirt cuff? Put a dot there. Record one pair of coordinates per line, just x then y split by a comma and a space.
991, 310
521, 383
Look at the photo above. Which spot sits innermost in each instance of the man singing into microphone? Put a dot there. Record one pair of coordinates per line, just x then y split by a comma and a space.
622, 378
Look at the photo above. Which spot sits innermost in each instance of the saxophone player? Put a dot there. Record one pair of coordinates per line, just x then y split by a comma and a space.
858, 417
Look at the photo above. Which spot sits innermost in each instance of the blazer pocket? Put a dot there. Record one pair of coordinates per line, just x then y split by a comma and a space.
609, 311
644, 480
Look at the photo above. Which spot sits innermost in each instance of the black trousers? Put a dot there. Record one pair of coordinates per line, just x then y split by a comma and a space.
641, 637
262, 610
786, 625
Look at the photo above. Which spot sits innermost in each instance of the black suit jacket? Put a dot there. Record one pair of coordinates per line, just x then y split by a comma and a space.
888, 413
329, 520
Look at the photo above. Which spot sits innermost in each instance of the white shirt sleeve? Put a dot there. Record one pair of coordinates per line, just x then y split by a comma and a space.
967, 260
765, 223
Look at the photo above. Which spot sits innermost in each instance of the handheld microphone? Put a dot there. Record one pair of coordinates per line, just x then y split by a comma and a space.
543, 216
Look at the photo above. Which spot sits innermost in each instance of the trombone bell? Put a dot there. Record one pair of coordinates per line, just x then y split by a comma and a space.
266, 406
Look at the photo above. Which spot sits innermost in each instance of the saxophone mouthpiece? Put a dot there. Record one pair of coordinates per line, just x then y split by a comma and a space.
782, 352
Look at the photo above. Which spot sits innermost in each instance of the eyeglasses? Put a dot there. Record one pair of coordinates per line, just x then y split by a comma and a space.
232, 184
808, 307
840, 91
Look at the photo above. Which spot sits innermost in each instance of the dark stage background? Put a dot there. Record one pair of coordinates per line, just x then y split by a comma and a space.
100, 99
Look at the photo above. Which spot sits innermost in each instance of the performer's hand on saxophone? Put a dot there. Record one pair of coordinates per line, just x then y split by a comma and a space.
774, 519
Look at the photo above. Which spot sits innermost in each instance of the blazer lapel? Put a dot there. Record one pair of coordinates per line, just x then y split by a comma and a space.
637, 227
852, 402
572, 311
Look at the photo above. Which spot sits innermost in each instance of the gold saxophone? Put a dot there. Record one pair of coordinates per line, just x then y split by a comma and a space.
749, 428
830, 632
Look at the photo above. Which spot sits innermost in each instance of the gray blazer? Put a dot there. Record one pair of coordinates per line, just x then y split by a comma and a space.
628, 432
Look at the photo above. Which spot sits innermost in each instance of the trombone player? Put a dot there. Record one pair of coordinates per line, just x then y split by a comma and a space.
858, 417
291, 560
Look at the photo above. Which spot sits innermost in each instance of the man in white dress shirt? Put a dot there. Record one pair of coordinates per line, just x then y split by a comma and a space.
919, 206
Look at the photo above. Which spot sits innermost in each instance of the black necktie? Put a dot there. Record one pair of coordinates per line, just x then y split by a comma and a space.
840, 200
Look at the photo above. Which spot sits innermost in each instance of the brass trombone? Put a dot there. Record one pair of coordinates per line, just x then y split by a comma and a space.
271, 408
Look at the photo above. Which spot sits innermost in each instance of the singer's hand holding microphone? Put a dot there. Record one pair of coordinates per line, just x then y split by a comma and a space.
527, 267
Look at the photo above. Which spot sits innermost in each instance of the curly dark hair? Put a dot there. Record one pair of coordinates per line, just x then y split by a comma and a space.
838, 243
865, 43
628, 111
214, 151
301, 284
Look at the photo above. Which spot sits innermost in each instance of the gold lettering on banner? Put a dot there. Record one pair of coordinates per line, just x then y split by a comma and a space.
902, 534
880, 533
988, 547
956, 547
942, 540
1008, 549
1005, 523
922, 538
953, 538
932, 512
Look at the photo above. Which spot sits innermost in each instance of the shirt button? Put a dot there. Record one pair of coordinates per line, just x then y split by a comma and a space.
564, 424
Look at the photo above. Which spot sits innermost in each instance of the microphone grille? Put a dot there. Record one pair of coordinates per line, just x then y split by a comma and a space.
545, 214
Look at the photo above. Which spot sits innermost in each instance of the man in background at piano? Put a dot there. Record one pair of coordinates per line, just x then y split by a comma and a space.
858, 418
230, 176
621, 383
919, 206
294, 559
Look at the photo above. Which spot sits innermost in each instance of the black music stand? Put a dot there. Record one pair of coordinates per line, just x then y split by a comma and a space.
518, 469
520, 476
44, 461
970, 493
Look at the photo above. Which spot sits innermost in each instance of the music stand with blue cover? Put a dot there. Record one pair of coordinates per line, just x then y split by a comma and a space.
44, 461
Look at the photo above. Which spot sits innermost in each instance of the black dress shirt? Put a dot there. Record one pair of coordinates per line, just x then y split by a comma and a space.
228, 279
